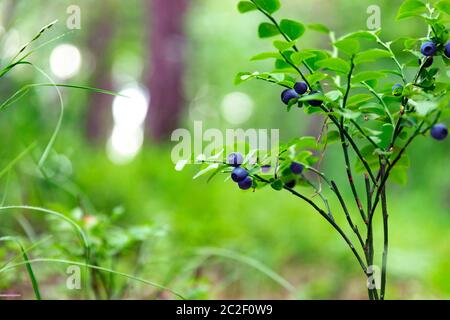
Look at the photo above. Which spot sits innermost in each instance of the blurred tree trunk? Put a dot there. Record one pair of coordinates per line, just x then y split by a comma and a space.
166, 68
99, 105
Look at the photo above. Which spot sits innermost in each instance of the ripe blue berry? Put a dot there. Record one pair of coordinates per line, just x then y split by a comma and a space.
239, 174
287, 95
447, 50
246, 184
397, 90
235, 159
314, 103
439, 131
301, 87
297, 168
428, 49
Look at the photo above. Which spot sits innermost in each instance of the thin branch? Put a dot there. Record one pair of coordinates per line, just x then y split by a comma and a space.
385, 239
327, 218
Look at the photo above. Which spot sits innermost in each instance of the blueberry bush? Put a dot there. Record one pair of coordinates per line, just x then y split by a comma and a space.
374, 114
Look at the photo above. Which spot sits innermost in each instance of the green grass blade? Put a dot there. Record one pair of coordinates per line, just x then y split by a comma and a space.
37, 36
12, 163
118, 273
250, 262
34, 282
80, 233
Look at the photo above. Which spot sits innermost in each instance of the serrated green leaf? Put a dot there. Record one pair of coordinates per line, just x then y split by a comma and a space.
335, 64
267, 30
271, 6
293, 29
411, 8
246, 6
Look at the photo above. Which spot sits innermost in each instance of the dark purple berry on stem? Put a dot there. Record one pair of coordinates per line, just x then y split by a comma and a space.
297, 168
246, 184
314, 103
397, 90
427, 63
235, 159
428, 49
239, 174
447, 50
287, 95
439, 131
301, 87
291, 184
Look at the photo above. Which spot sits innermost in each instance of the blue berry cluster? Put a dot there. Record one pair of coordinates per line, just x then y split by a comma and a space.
300, 88
239, 174
429, 50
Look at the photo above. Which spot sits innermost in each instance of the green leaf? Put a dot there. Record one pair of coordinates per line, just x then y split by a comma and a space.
387, 130
334, 95
348, 114
266, 55
358, 98
283, 45
349, 46
271, 6
366, 35
277, 185
316, 77
423, 107
318, 56
246, 6
206, 170
411, 8
333, 136
334, 64
298, 57
306, 143
372, 108
444, 6
371, 55
399, 175
319, 28
267, 30
293, 29
367, 75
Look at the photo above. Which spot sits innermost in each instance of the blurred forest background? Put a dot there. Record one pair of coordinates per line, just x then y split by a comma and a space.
111, 171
